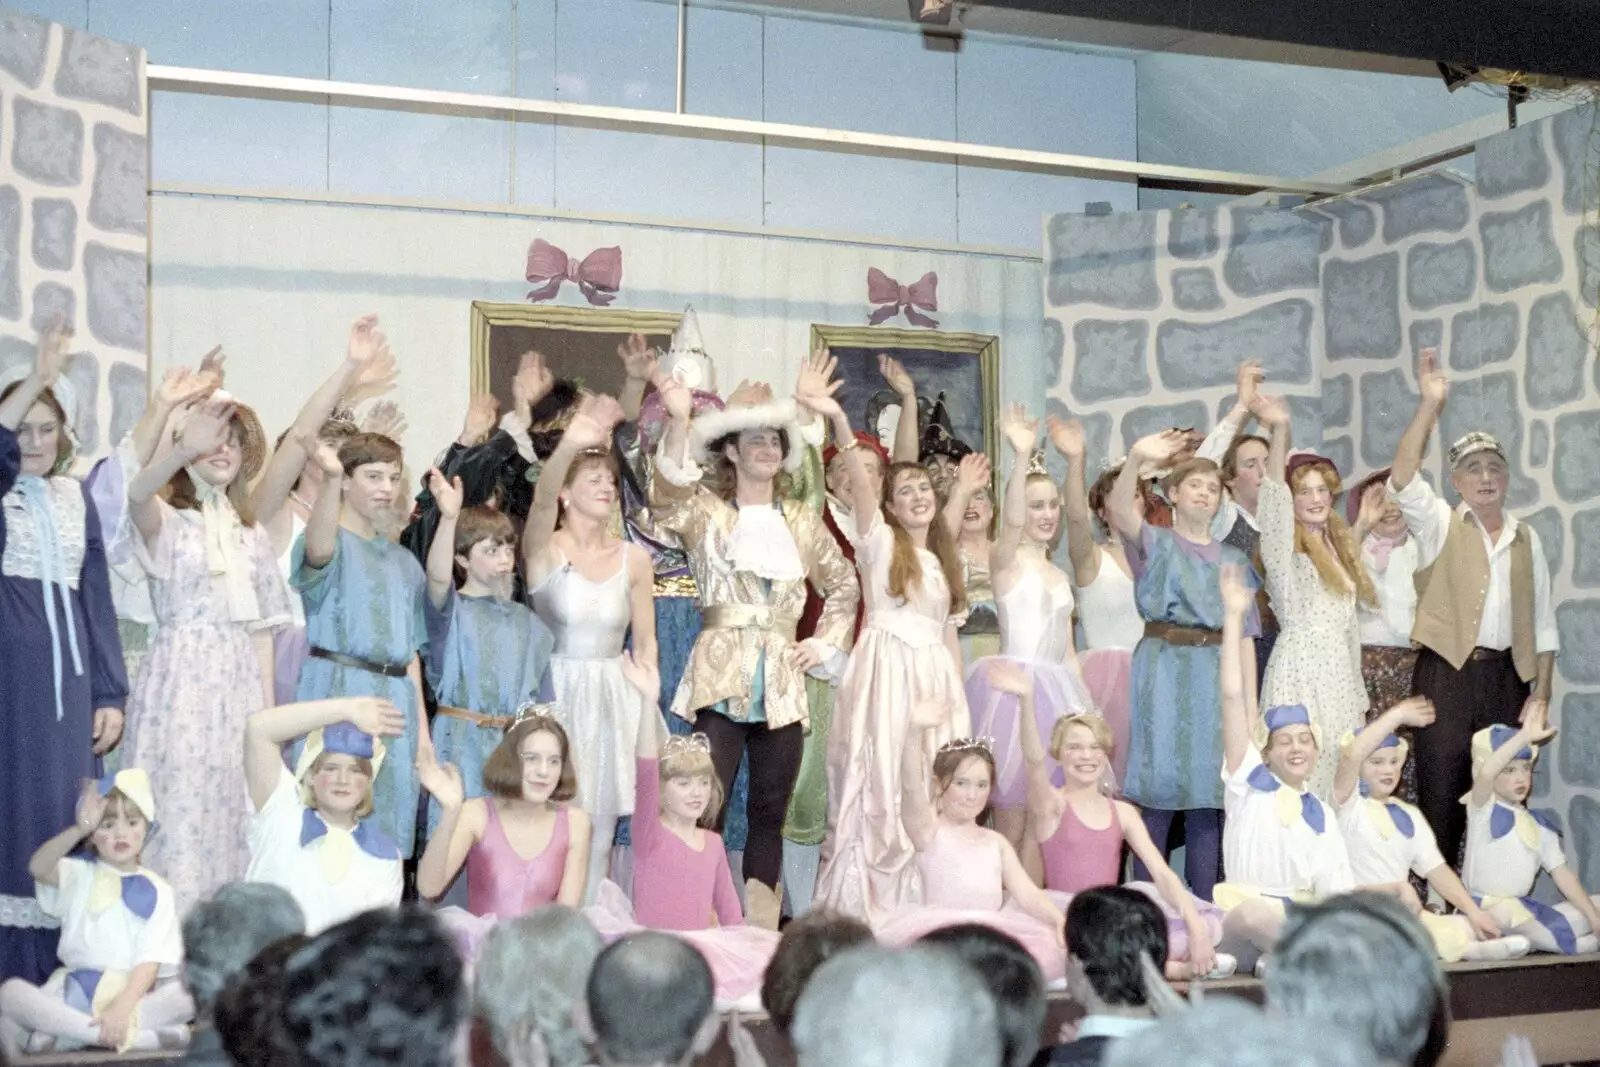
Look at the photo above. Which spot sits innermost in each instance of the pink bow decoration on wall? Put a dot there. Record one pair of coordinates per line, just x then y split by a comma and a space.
599, 274
894, 298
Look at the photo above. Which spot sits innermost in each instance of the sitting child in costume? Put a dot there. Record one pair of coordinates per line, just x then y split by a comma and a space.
1507, 844
1281, 845
1081, 830
523, 845
967, 871
1387, 839
117, 986
681, 879
308, 831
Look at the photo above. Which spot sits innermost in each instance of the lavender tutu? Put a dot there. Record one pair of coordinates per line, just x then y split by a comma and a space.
1177, 929
1057, 693
1106, 675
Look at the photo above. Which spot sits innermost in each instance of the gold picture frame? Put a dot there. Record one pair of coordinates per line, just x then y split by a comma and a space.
577, 342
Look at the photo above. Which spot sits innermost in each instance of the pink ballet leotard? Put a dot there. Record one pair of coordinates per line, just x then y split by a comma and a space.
1078, 858
672, 882
501, 883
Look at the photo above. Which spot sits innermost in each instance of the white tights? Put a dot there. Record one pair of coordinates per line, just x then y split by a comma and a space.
800, 863
26, 1008
1539, 935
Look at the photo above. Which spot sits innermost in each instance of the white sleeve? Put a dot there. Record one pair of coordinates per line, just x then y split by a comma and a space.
72, 880
281, 810
1551, 854
1427, 516
161, 940
1237, 784
1217, 442
683, 474
1334, 875
1546, 635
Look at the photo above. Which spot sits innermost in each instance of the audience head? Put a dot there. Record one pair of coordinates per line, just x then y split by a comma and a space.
486, 548
877, 1007
532, 762
649, 1001
690, 788
223, 934
1109, 931
807, 943
1195, 488
1083, 745
963, 778
248, 1013
1012, 977
373, 473
531, 975
383, 989
1228, 1032
1361, 963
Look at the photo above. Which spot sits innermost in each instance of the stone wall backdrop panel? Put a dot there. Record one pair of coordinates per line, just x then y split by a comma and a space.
74, 209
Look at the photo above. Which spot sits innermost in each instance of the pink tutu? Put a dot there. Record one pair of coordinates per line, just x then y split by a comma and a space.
910, 922
1177, 929
1106, 675
737, 955
1057, 693
467, 930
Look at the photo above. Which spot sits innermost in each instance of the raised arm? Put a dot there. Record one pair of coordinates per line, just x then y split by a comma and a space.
1147, 453
454, 837
1435, 388
46, 859
447, 495
907, 434
268, 730
1237, 714
638, 367
679, 404
1247, 383
179, 387
916, 807
1044, 803
642, 609
205, 431
47, 360
1067, 437
590, 428
1021, 433
1273, 411
322, 529
1415, 712
645, 677
972, 475
1536, 731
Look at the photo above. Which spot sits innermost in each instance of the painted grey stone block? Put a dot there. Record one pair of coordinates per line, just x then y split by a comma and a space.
128, 386
1109, 260
82, 369
1439, 274
1055, 352
15, 352
48, 143
1357, 221
1361, 307
1153, 418
1486, 334
1583, 815
1193, 355
1578, 619
1425, 333
1387, 404
1109, 359
1490, 403
1573, 134
1338, 400
1586, 549
115, 283
52, 302
55, 233
101, 70
1558, 348
1192, 234
1586, 248
24, 44
1195, 289
1305, 418
1576, 469
1342, 451
1271, 251
10, 252
1513, 161
1429, 203
1538, 443
117, 202
1325, 224
1541, 777
1519, 248
1096, 435
1579, 748
1552, 532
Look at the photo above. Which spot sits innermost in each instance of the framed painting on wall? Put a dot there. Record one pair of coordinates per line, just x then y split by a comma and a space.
577, 342
963, 367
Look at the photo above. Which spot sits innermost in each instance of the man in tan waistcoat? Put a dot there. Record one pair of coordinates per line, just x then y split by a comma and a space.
1485, 626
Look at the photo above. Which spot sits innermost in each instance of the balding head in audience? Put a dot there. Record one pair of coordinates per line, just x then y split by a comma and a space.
649, 1002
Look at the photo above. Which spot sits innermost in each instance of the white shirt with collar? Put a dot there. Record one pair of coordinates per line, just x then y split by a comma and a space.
1389, 624
1214, 448
1428, 517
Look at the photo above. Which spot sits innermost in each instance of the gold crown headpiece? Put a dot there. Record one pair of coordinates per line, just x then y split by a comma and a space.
533, 709
1036, 464
678, 744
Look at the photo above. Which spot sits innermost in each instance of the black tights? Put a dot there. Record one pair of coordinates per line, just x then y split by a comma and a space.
774, 765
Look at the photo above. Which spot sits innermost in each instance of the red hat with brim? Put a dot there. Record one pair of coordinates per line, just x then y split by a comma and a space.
1352, 499
865, 440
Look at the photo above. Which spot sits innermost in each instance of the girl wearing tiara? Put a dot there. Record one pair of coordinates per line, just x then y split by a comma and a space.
1035, 601
967, 870
118, 986
591, 589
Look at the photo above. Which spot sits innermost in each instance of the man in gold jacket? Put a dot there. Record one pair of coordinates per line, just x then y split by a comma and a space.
752, 549
1485, 626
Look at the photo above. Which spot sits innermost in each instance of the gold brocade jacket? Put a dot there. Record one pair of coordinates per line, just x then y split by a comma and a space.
722, 664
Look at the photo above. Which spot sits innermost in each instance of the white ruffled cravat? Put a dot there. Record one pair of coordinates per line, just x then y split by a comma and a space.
226, 558
762, 544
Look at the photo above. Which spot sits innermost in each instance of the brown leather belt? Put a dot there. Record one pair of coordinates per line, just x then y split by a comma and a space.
476, 718
1182, 636
1480, 654
388, 670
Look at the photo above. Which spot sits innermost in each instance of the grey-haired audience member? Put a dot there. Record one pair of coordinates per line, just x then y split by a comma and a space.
876, 1007
1362, 963
1012, 977
220, 937
249, 1011
649, 1002
532, 973
383, 989
807, 943
1109, 931
1228, 1032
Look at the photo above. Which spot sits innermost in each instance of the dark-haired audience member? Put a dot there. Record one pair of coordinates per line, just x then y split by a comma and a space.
1110, 930
1012, 978
531, 974
1362, 964
649, 1003
873, 1007
220, 938
248, 1014
807, 943
384, 989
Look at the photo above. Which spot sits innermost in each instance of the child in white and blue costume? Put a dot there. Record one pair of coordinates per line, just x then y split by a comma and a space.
1507, 845
120, 949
